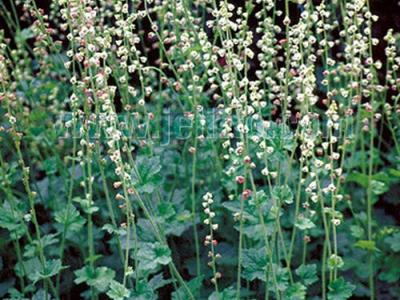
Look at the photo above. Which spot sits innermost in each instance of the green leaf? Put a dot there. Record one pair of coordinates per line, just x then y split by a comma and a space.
100, 277
278, 136
304, 223
158, 281
29, 268
394, 241
50, 165
390, 269
379, 187
296, 291
357, 231
391, 276
87, 206
194, 287
162, 254
143, 291
366, 245
117, 291
52, 267
254, 264
359, 178
307, 274
226, 294
282, 278
24, 34
252, 227
147, 178
32, 248
394, 172
166, 210
14, 294
11, 220
283, 193
34, 270
40, 295
111, 229
70, 218
151, 255
340, 289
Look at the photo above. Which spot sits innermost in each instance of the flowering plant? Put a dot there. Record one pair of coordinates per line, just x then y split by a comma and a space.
199, 149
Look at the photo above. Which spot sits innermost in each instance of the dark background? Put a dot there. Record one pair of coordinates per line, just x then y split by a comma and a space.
387, 10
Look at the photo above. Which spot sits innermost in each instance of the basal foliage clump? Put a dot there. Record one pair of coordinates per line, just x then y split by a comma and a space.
200, 149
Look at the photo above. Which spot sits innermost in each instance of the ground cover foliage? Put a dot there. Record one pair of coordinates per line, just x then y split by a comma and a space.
199, 149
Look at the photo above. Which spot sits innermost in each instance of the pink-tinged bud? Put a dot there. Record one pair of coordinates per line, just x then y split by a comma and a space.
177, 86
282, 41
117, 184
192, 150
368, 107
119, 197
240, 179
215, 242
246, 193
349, 112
